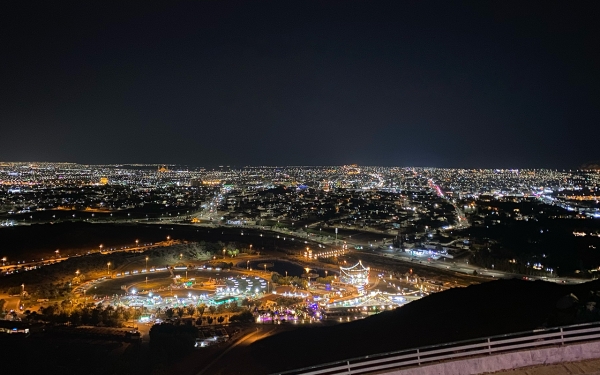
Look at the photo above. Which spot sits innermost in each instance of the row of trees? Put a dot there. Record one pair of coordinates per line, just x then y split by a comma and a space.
289, 280
299, 281
85, 314
200, 310
109, 316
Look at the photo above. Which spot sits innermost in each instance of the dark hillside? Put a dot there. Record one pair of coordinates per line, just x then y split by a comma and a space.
492, 308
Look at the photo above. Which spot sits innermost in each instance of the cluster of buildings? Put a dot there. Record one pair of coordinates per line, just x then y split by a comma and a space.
415, 201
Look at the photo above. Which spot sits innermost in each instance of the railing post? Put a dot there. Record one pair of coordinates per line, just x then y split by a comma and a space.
562, 338
418, 358
349, 369
489, 347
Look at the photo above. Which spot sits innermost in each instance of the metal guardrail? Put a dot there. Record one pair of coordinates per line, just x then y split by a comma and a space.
455, 350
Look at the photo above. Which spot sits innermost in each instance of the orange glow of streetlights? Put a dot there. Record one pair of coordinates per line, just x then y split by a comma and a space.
108, 269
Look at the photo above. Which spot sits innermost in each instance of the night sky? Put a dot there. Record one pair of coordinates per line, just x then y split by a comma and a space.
394, 83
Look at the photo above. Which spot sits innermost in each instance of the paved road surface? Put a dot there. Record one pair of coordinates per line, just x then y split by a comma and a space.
12, 303
221, 364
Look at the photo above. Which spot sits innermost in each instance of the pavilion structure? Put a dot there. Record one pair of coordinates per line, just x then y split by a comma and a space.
357, 275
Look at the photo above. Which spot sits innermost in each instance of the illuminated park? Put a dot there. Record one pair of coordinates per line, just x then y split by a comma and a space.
309, 298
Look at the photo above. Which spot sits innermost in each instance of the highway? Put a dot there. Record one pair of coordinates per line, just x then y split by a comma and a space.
463, 267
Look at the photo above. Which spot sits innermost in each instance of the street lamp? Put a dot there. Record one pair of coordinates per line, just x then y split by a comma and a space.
101, 247
57, 254
23, 290
247, 264
108, 270
3, 260
146, 263
250, 248
168, 238
137, 242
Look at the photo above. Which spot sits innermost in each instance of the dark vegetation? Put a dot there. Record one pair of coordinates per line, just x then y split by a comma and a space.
493, 308
41, 240
170, 341
546, 237
83, 314
53, 355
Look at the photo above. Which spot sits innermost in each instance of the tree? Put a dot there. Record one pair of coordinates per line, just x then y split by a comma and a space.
75, 318
209, 320
232, 307
201, 309
245, 316
220, 319
180, 312
170, 312
212, 309
191, 310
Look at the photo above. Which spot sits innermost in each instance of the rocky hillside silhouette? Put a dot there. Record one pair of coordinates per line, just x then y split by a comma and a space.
492, 308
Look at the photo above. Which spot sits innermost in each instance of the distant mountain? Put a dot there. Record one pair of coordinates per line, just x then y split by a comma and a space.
591, 165
492, 308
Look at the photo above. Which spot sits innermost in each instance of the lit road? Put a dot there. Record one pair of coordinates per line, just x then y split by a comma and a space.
260, 333
450, 265
12, 303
